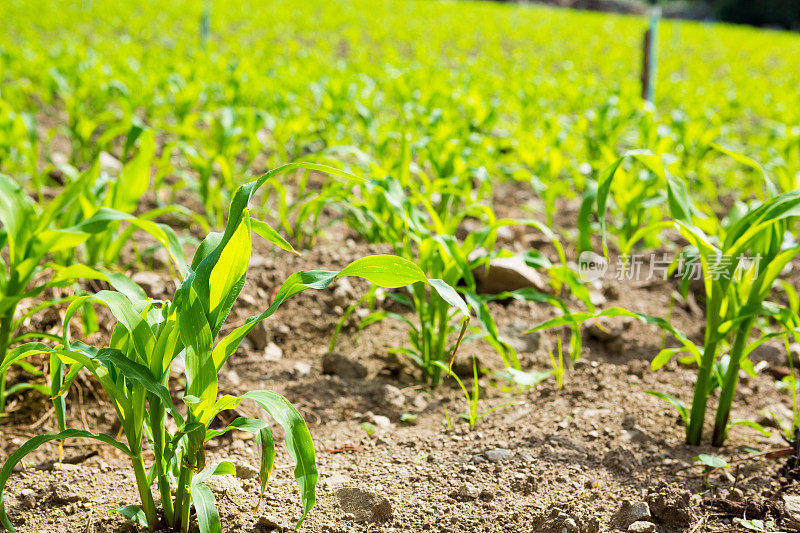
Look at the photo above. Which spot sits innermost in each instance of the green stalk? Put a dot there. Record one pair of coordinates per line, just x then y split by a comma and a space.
148, 505
6, 323
694, 432
729, 384
441, 342
183, 498
158, 430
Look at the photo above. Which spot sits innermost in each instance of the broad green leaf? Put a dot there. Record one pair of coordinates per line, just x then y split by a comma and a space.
206, 508
298, 443
133, 513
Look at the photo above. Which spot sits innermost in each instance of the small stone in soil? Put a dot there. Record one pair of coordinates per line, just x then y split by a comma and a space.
302, 368
150, 282
28, 498
64, 493
226, 484
465, 492
336, 480
642, 527
269, 523
246, 471
630, 512
792, 507
363, 505
336, 364
498, 455
273, 352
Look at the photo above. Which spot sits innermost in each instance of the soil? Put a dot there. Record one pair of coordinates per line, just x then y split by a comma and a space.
565, 460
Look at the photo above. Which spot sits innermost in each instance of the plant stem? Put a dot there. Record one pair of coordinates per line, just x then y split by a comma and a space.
6, 323
148, 505
729, 385
697, 416
694, 432
157, 429
183, 498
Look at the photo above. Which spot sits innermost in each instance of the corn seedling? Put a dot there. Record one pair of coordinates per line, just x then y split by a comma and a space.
29, 233
739, 266
134, 369
472, 415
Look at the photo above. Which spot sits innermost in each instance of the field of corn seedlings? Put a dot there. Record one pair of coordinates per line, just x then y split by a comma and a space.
395, 266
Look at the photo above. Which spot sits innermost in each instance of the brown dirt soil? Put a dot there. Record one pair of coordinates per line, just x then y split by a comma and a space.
551, 460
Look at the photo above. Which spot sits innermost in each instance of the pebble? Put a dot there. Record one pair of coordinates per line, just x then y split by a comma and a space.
226, 484
64, 493
302, 368
465, 492
66, 467
498, 455
642, 527
486, 495
270, 522
381, 421
736, 495
363, 505
336, 364
630, 512
273, 352
393, 396
246, 471
792, 507
28, 498
337, 480
571, 526
150, 282
508, 274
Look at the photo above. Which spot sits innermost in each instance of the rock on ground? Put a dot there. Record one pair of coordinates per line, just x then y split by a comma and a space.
465, 492
338, 365
508, 274
670, 505
630, 512
365, 506
642, 527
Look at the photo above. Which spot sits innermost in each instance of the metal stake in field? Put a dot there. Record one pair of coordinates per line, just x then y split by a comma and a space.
205, 23
649, 58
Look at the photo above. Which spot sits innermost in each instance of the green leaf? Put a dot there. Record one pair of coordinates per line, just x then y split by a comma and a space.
377, 269
298, 442
133, 513
206, 508
751, 424
674, 402
266, 232
664, 357
266, 447
711, 461
250, 425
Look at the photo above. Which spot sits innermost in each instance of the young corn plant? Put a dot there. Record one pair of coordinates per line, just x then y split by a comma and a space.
420, 218
29, 233
473, 414
134, 370
98, 190
739, 265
